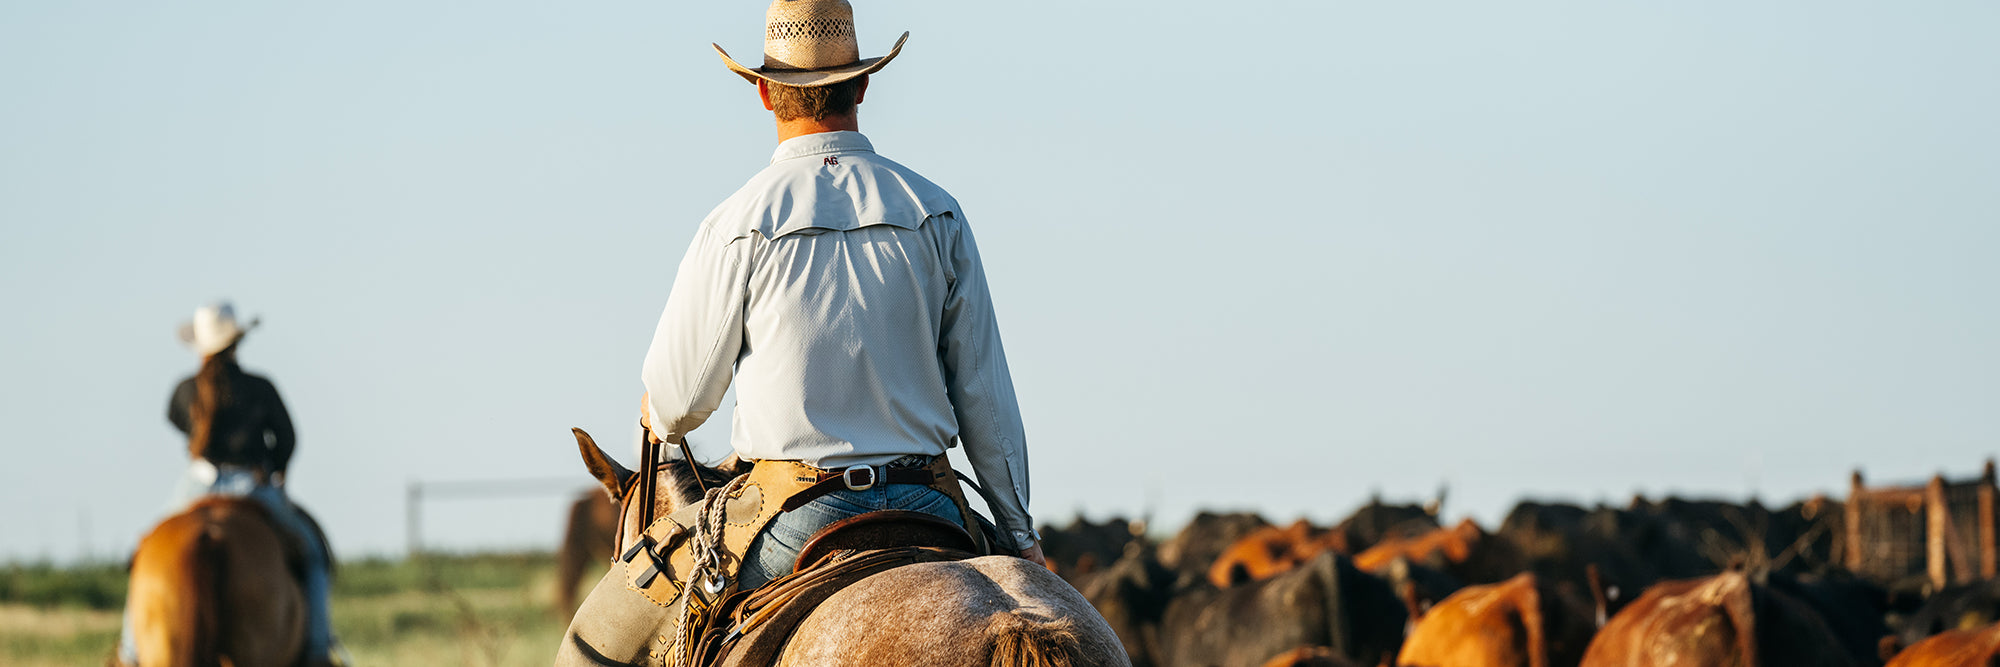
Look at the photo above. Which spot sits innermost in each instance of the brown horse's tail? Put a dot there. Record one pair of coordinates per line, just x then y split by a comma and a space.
1025, 642
205, 578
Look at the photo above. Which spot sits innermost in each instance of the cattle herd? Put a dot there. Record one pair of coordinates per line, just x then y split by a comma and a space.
1666, 582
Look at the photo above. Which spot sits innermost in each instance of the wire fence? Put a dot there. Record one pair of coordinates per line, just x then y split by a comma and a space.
419, 494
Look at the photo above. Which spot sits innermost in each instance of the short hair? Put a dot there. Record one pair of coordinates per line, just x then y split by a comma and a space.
817, 102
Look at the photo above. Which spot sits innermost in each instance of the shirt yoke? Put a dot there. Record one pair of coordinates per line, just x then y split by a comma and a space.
834, 191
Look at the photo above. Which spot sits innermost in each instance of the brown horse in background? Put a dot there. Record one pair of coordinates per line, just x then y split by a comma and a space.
588, 536
213, 585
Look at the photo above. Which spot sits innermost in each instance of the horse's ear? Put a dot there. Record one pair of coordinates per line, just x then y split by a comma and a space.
602, 466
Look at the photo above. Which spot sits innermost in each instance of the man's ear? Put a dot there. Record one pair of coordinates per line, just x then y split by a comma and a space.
862, 90
764, 93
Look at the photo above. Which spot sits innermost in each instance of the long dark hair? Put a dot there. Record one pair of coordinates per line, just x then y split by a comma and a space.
211, 390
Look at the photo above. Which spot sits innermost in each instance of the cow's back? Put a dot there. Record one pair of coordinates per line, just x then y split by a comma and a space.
1682, 623
1326, 602
1976, 647
1521, 622
1720, 620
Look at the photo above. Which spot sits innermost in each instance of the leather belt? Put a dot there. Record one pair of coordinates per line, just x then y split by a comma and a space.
859, 478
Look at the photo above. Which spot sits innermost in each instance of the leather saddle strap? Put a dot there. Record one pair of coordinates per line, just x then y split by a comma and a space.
835, 481
759, 624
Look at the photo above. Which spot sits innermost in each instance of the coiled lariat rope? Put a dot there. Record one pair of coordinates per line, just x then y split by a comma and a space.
706, 545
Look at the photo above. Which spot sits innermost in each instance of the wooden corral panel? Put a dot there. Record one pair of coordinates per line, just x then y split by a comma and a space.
1942, 531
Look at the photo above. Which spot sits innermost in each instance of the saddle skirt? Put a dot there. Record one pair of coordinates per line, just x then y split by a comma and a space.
661, 564
750, 629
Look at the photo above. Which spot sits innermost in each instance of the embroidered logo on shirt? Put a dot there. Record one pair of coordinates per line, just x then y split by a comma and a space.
831, 161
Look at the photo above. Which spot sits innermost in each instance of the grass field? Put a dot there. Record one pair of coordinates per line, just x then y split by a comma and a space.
478, 610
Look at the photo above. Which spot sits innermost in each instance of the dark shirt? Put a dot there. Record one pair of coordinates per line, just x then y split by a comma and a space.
251, 426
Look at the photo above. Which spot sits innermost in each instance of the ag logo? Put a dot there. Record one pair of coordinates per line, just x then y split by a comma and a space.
831, 161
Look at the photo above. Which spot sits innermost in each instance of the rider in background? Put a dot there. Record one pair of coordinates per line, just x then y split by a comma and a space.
240, 443
240, 437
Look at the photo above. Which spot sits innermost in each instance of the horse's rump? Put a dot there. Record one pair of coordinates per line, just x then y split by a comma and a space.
212, 582
995, 610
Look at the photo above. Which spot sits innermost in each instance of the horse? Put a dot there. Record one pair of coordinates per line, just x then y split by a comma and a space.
213, 585
992, 610
588, 535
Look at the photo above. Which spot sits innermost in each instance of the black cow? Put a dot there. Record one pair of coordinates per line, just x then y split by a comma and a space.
1082, 547
1374, 522
1132, 594
1204, 538
1326, 602
1959, 607
1852, 608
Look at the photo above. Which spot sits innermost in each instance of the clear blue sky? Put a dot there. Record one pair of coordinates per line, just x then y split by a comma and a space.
1250, 254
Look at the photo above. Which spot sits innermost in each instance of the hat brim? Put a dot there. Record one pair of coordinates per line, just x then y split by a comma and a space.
809, 78
206, 348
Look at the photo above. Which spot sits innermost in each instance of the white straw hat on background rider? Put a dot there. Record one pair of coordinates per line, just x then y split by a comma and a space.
810, 43
213, 329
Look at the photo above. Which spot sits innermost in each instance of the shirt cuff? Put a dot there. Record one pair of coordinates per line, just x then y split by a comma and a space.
1023, 539
654, 425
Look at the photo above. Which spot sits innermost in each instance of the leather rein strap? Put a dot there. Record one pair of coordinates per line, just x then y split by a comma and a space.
649, 478
649, 484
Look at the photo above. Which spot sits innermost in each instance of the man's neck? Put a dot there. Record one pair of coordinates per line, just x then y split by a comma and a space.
788, 129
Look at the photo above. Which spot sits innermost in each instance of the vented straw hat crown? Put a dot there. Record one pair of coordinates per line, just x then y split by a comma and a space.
810, 43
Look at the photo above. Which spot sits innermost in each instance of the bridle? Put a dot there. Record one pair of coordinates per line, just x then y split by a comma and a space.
647, 479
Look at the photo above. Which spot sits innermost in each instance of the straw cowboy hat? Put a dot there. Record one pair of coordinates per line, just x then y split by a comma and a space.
810, 43
213, 329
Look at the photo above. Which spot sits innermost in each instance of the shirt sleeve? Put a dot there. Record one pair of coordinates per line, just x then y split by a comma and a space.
283, 440
982, 391
694, 350
177, 406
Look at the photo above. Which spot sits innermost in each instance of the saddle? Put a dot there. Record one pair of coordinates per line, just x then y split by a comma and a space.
751, 628
687, 562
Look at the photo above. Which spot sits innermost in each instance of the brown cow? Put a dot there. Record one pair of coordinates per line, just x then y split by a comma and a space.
1309, 656
1464, 551
1268, 552
1719, 620
1977, 647
1192, 550
1521, 622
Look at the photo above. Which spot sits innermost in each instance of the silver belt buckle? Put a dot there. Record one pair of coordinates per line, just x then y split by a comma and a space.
849, 476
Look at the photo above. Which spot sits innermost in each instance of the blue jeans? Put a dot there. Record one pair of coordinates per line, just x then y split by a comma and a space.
773, 552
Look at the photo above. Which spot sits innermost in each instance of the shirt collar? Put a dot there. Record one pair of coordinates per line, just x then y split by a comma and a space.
822, 143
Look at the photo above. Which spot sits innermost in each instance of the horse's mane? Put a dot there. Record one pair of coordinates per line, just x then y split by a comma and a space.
684, 489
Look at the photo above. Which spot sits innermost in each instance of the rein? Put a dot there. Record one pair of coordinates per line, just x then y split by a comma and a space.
649, 478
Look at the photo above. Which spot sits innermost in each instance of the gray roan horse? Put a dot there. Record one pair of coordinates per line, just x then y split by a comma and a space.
990, 611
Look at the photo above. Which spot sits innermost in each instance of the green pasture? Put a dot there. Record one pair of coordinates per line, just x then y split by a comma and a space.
482, 610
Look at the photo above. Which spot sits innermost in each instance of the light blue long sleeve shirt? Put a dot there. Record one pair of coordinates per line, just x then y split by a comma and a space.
844, 295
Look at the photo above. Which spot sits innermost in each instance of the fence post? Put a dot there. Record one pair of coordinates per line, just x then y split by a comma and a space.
1987, 557
1940, 516
413, 517
1853, 508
